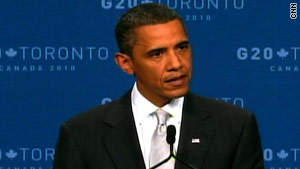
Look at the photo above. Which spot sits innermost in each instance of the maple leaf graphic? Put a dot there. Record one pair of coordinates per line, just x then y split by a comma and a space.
11, 154
11, 53
282, 154
282, 53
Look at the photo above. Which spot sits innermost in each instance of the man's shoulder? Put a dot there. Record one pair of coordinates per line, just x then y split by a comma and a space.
98, 114
223, 116
217, 107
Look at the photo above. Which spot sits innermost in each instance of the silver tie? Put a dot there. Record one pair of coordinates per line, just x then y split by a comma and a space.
160, 149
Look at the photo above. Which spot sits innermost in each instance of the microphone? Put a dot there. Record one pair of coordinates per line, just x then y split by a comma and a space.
171, 132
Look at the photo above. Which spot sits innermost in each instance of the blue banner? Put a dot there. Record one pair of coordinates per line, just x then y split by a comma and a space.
57, 60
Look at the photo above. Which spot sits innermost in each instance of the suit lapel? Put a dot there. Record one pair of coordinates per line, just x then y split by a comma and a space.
196, 132
121, 139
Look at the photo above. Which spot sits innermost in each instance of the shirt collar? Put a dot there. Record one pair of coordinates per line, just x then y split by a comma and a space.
144, 107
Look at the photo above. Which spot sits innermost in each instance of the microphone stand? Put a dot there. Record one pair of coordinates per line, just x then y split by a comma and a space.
176, 158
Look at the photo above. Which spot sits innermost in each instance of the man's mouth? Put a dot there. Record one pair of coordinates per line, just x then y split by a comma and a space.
177, 80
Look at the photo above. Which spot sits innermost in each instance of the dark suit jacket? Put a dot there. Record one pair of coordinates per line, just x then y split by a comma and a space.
106, 137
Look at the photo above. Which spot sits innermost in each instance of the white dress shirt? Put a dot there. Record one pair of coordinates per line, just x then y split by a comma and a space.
146, 122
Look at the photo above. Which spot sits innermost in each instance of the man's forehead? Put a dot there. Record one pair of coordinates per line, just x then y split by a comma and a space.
156, 31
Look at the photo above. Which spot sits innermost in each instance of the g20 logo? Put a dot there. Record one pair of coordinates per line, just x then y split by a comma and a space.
121, 4
255, 53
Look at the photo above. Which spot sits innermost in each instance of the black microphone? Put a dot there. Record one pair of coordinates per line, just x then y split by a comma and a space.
171, 133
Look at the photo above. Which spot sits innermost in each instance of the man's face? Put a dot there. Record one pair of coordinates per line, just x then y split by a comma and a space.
161, 61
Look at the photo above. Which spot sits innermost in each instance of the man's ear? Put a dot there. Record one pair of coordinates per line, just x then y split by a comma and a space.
124, 62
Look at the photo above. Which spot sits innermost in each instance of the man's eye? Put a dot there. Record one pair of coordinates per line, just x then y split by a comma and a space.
156, 54
183, 47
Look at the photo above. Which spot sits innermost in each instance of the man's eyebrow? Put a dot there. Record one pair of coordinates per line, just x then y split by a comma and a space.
155, 50
185, 42
160, 49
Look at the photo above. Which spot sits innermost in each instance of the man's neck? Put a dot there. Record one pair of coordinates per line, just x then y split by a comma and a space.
158, 101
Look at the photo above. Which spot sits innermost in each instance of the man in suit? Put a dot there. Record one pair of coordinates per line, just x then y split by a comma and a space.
123, 134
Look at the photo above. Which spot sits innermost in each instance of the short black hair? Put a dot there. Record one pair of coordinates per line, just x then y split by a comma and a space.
141, 15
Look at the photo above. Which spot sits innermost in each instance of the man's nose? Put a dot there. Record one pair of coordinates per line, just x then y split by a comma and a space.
174, 61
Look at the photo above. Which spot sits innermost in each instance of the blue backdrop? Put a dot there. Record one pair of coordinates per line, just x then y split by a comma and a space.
56, 60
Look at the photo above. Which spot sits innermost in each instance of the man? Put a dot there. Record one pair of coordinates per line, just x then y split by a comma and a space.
130, 134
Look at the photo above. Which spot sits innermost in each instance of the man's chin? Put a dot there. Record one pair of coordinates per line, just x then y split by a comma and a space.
178, 93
